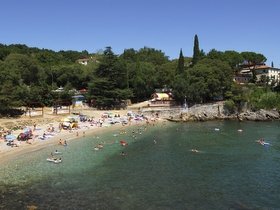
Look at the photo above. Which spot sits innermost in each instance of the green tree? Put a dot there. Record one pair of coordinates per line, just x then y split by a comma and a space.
181, 89
181, 64
197, 53
214, 54
165, 74
4, 51
233, 58
252, 60
109, 85
209, 78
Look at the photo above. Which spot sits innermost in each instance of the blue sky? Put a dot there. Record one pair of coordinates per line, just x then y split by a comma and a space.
166, 25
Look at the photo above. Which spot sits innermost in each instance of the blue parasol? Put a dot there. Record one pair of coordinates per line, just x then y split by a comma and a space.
10, 137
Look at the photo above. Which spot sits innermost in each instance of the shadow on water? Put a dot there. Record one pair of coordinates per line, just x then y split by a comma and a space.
232, 171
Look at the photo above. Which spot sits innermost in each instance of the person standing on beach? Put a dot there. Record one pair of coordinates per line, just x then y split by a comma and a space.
34, 126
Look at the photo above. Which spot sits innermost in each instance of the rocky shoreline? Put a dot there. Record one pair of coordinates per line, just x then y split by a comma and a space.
205, 112
215, 111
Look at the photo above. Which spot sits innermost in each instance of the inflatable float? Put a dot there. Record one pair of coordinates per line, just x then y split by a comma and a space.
262, 142
58, 160
265, 144
123, 143
55, 160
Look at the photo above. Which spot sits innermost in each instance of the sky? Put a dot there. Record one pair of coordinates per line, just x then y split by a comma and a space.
166, 25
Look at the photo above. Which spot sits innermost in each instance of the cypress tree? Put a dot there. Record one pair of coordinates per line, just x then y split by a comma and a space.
196, 51
181, 64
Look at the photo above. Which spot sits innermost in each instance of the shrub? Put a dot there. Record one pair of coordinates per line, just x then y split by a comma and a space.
230, 106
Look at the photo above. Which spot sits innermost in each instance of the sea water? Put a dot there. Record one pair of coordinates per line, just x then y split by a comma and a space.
229, 171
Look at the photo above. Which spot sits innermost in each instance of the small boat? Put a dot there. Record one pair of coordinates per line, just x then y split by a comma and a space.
217, 129
239, 130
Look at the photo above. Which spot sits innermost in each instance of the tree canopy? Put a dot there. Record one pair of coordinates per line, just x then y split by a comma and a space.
31, 74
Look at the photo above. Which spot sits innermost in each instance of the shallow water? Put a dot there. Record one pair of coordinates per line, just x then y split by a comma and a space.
230, 171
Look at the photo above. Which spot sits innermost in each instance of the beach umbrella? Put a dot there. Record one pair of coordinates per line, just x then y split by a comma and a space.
27, 128
65, 119
26, 133
78, 96
73, 118
67, 124
10, 137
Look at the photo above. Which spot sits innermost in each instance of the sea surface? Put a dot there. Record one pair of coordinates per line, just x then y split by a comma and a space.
229, 171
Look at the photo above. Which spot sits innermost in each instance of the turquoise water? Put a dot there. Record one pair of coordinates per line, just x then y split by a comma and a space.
230, 171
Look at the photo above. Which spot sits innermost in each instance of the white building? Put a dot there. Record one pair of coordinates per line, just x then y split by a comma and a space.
271, 72
246, 74
83, 61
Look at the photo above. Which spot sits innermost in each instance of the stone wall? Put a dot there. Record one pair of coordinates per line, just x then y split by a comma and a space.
214, 111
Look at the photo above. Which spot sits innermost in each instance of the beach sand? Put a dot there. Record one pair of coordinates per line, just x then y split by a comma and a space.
43, 123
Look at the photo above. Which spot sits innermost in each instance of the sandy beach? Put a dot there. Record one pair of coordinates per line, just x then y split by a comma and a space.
43, 125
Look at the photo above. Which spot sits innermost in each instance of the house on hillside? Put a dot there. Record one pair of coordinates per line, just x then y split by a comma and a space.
83, 61
246, 74
270, 72
242, 77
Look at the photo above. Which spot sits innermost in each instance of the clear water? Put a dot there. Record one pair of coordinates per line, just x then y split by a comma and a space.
230, 171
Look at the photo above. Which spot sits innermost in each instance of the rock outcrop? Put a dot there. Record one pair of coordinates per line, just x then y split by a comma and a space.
214, 111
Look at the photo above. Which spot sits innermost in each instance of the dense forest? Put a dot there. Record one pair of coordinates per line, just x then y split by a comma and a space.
31, 75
